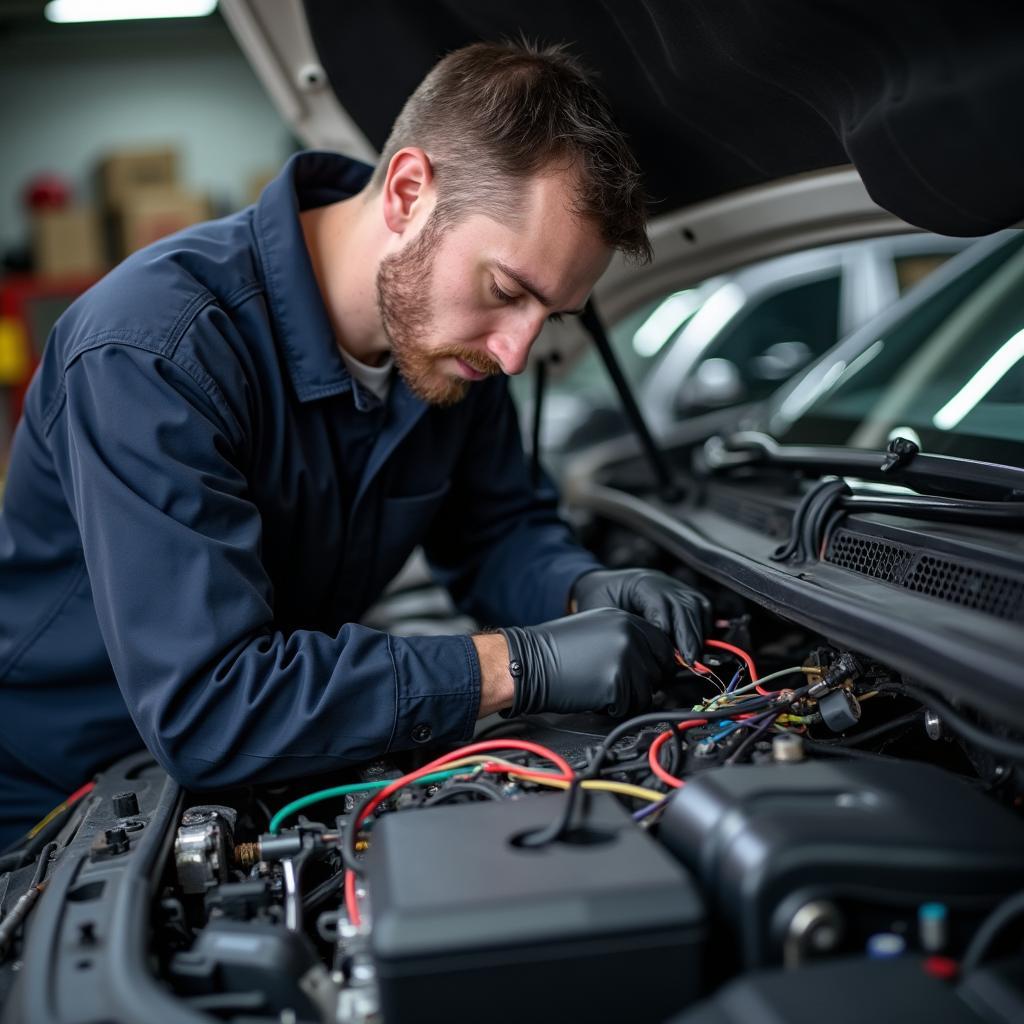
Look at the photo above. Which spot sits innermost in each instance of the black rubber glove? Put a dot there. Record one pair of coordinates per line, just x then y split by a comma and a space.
679, 610
603, 660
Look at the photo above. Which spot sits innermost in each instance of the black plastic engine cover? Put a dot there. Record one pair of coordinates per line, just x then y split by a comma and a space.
254, 967
841, 992
469, 926
874, 840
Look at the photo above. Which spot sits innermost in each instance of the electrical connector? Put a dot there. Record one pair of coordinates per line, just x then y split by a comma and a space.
845, 669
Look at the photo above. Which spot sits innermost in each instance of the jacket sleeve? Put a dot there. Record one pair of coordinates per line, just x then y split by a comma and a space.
152, 463
499, 544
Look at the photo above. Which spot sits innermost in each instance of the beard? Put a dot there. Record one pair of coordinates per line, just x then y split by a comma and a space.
404, 300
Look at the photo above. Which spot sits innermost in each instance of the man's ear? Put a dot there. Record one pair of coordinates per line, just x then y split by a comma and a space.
408, 191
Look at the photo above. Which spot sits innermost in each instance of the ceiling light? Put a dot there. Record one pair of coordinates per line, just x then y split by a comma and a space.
64, 11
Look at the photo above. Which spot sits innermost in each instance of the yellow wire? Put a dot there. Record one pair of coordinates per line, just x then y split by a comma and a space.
610, 786
516, 771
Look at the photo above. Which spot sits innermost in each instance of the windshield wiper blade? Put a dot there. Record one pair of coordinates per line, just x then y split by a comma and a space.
938, 473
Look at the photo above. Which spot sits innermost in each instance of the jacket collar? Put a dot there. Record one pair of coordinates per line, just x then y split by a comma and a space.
302, 327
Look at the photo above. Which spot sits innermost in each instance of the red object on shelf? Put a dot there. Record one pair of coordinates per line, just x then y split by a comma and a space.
47, 192
34, 304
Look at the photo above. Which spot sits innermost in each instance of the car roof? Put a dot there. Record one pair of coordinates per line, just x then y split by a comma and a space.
922, 97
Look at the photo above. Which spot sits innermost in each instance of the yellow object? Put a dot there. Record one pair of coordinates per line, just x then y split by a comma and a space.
14, 361
516, 771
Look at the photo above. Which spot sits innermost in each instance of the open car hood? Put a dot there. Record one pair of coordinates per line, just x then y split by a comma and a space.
716, 97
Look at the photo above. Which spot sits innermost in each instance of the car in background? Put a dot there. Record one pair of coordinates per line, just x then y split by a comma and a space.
729, 340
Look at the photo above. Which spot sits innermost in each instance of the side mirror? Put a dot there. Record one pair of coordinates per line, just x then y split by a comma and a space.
780, 361
715, 383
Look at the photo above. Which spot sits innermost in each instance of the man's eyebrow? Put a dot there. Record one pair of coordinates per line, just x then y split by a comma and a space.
529, 286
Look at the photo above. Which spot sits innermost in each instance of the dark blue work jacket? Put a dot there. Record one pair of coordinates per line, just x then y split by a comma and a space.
201, 502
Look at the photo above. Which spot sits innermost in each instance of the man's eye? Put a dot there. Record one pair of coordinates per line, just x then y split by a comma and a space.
555, 318
500, 295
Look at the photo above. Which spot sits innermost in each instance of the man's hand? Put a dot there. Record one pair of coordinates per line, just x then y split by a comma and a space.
680, 611
603, 660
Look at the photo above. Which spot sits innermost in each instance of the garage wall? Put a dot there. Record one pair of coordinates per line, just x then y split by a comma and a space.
68, 94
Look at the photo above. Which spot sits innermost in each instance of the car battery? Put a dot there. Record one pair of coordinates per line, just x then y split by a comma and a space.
470, 924
820, 858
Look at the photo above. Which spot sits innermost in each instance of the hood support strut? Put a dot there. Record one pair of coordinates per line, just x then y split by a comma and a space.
668, 487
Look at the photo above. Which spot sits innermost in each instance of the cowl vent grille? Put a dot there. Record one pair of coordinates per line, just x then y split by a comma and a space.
760, 517
952, 580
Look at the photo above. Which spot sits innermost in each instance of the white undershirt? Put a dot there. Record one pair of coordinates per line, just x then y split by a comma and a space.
376, 379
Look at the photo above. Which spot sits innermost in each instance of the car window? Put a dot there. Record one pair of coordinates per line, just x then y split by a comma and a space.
949, 374
639, 340
765, 345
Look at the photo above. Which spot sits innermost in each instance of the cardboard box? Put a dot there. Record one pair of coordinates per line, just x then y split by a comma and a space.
147, 214
123, 171
67, 242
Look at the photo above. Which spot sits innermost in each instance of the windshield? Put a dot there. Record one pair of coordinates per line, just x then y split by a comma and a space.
949, 374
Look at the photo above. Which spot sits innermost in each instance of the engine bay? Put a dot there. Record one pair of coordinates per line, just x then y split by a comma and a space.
788, 806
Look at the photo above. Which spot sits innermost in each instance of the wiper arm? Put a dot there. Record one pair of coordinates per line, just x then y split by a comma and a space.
937, 473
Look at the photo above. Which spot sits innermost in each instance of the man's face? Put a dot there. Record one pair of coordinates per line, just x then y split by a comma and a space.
466, 302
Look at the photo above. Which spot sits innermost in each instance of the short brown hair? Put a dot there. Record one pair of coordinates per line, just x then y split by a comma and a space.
493, 113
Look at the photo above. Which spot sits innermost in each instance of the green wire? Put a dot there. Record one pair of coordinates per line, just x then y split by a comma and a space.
355, 787
754, 685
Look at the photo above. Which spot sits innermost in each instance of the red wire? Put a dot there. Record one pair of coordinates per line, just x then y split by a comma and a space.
659, 742
350, 898
654, 751
473, 748
80, 792
746, 658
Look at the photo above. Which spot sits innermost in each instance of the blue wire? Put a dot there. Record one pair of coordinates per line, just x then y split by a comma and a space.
735, 680
729, 726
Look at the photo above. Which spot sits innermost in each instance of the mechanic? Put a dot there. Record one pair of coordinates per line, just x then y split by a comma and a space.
237, 437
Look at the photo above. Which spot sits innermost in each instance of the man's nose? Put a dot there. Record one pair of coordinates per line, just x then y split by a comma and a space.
511, 345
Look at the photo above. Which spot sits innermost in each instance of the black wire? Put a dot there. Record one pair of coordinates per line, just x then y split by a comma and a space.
675, 760
25, 848
808, 518
989, 930
324, 890
574, 794
1011, 749
673, 717
760, 729
348, 838
469, 786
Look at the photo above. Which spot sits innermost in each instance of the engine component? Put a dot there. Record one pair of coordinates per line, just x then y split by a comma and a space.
462, 912
240, 901
874, 838
843, 992
255, 968
840, 710
933, 725
885, 945
815, 928
933, 927
125, 805
204, 847
844, 669
787, 748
